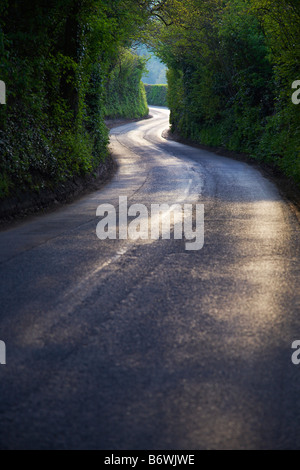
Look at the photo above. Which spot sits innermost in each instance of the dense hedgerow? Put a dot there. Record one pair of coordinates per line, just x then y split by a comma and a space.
157, 95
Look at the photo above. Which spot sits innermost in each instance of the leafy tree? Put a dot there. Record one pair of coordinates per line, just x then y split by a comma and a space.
56, 57
231, 66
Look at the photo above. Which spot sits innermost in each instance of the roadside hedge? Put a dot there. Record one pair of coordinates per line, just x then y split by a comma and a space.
231, 69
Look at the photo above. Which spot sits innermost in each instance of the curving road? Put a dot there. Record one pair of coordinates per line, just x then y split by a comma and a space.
122, 344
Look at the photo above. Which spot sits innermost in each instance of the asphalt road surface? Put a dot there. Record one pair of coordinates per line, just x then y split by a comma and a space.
123, 344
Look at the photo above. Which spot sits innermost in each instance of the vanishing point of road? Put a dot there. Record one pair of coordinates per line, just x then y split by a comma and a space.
126, 345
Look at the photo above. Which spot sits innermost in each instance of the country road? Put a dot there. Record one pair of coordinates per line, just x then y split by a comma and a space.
129, 345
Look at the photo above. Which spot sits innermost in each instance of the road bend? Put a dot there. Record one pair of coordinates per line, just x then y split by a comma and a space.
141, 344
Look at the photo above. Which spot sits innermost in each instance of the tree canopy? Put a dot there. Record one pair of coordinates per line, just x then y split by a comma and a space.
231, 68
57, 58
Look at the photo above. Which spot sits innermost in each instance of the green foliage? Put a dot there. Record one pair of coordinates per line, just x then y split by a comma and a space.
125, 95
231, 67
67, 66
58, 59
157, 95
156, 70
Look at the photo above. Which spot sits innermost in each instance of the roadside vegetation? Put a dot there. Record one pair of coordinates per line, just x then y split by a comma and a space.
231, 69
157, 95
68, 65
